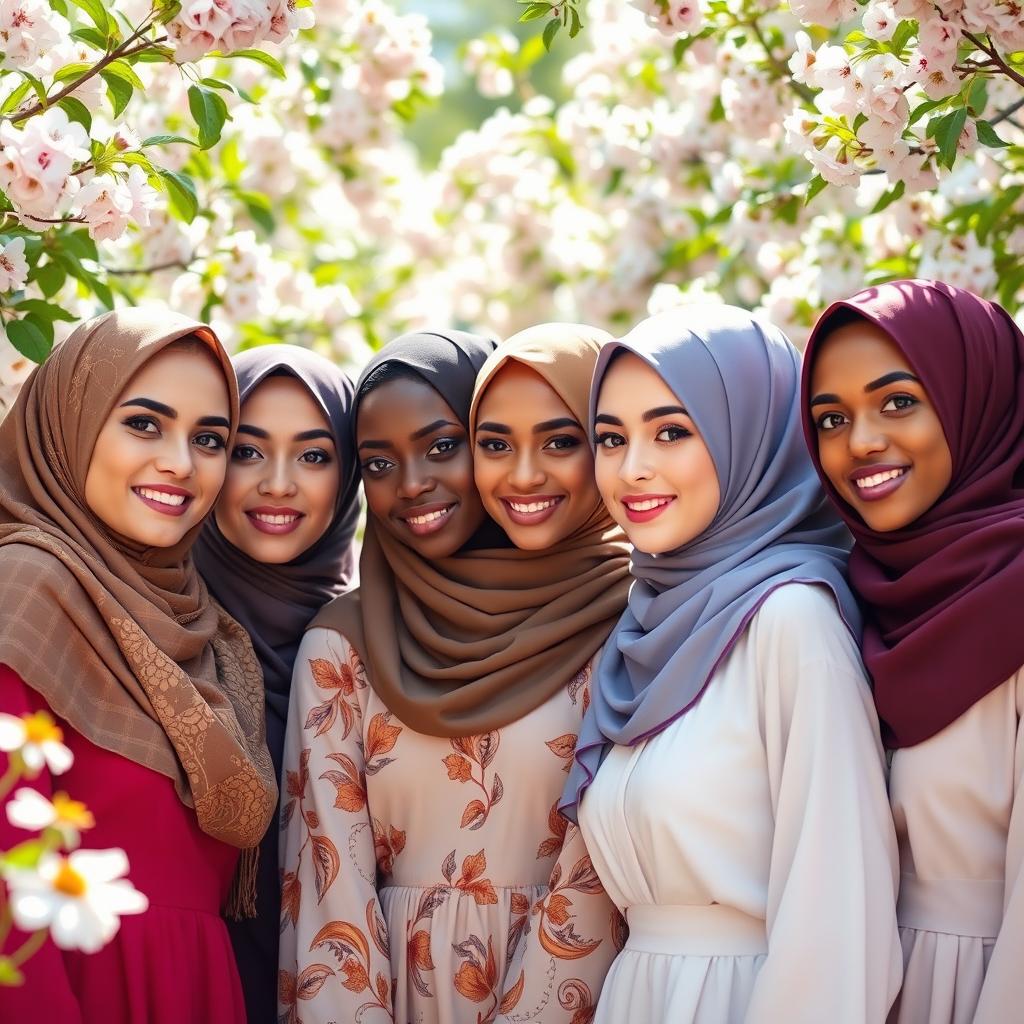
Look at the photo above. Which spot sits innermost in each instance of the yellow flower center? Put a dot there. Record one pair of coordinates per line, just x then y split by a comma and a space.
41, 728
72, 812
69, 881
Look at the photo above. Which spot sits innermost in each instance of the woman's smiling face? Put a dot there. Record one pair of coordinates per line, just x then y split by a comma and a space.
533, 465
417, 467
880, 440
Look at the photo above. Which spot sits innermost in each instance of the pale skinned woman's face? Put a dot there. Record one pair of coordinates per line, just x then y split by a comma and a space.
282, 483
532, 462
880, 440
653, 469
160, 458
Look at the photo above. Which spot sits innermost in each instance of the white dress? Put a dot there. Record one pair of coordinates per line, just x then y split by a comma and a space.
750, 844
961, 838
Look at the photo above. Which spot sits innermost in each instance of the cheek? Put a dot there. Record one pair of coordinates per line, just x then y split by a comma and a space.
322, 493
458, 476
379, 497
606, 475
213, 472
485, 476
578, 476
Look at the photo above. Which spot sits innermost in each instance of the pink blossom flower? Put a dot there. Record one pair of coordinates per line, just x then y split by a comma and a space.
670, 17
28, 29
13, 268
828, 13
880, 20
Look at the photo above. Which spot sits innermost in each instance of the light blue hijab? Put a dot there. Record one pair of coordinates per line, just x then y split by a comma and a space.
739, 379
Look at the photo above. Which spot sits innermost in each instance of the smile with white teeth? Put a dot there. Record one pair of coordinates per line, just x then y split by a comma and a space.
162, 496
646, 506
274, 520
878, 478
429, 517
532, 506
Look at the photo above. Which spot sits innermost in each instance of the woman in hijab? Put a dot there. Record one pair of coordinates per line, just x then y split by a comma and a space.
276, 550
433, 712
112, 457
729, 780
913, 414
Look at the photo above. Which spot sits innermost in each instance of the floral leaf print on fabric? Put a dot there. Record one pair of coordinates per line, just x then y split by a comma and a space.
473, 753
470, 881
477, 976
296, 783
575, 995
419, 958
290, 989
340, 677
349, 946
388, 843
555, 925
349, 782
579, 686
326, 862
291, 896
557, 825
520, 907
563, 746
381, 738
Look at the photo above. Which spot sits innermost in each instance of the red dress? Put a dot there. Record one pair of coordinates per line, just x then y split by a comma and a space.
173, 963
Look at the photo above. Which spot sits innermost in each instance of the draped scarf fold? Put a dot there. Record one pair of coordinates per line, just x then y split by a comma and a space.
942, 595
739, 380
122, 641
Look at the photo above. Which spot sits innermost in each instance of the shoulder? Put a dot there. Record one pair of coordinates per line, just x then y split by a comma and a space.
42, 560
326, 651
801, 623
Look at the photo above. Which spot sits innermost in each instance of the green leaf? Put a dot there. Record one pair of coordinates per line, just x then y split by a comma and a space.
15, 98
24, 855
119, 92
182, 191
257, 55
45, 312
814, 186
75, 70
169, 9
167, 140
98, 15
977, 96
10, 976
946, 132
94, 37
77, 111
922, 109
216, 83
904, 31
209, 112
123, 70
535, 11
576, 25
50, 278
30, 340
889, 197
551, 30
79, 244
988, 136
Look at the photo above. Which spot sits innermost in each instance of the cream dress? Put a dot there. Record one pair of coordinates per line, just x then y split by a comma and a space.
750, 843
414, 866
961, 836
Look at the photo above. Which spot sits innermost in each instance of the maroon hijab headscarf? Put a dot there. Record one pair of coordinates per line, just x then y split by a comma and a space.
943, 595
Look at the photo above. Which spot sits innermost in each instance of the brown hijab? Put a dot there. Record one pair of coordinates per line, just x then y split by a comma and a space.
123, 642
468, 644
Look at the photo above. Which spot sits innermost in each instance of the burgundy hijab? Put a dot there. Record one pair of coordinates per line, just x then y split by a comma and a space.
943, 595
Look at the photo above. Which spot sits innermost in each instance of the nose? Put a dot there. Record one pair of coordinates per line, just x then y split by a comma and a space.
525, 473
176, 457
866, 437
278, 481
635, 464
415, 480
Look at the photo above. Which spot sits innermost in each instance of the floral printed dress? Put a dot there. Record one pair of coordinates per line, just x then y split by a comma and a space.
414, 867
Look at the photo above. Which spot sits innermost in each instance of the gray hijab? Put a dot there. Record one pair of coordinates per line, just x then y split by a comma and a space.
739, 379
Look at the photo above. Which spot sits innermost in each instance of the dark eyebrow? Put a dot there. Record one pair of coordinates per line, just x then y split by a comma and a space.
309, 435
431, 427
556, 424
154, 406
825, 399
374, 444
245, 428
891, 378
663, 410
494, 428
603, 417
215, 421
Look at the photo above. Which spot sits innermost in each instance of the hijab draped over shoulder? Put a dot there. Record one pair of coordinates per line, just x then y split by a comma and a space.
122, 641
276, 602
942, 595
467, 644
739, 380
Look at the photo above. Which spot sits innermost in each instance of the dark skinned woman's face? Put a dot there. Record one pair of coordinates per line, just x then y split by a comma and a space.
417, 468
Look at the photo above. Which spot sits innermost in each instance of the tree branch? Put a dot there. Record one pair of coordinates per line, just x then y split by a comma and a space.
993, 53
155, 268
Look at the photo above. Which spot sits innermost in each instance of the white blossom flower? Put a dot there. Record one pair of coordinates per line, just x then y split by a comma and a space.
80, 898
29, 809
37, 739
13, 268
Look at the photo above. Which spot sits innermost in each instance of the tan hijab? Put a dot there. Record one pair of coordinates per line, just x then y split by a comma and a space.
123, 641
470, 643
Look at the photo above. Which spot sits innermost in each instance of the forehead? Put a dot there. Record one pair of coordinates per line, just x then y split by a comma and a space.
857, 352
631, 382
282, 400
399, 407
518, 393
180, 377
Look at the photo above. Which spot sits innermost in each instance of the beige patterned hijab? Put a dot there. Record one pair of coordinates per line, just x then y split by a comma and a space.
123, 642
